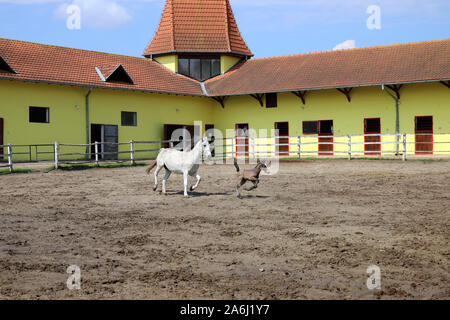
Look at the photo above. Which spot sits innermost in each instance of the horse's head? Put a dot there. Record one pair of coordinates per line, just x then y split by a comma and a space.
206, 148
264, 165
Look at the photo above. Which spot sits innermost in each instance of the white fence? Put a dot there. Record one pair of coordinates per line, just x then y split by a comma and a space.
8, 155
349, 146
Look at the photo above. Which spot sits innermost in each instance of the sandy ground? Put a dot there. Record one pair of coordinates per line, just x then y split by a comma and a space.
309, 232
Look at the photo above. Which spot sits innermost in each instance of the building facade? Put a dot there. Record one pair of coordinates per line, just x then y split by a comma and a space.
199, 68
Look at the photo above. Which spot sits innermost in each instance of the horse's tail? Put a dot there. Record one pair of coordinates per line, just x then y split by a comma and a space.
150, 168
236, 165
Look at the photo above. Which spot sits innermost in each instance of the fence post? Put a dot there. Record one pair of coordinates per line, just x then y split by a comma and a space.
252, 139
96, 152
349, 147
232, 149
132, 152
404, 147
56, 154
10, 159
299, 144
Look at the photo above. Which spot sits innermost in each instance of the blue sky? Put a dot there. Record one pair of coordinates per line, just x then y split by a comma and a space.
270, 27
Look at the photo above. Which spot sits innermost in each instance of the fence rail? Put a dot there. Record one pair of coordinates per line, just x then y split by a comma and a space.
252, 147
9, 155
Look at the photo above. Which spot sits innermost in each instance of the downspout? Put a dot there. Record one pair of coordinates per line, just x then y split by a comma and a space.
88, 151
397, 118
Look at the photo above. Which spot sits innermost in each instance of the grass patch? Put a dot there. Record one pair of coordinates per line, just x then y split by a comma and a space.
87, 166
6, 171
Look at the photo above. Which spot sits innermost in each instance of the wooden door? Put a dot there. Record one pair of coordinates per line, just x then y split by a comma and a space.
282, 140
325, 138
242, 141
1, 138
372, 126
111, 137
424, 135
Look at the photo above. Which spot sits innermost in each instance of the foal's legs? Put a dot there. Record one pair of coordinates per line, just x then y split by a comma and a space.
255, 185
238, 187
164, 181
158, 169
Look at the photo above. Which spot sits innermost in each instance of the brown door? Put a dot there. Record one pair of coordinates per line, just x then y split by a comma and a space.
424, 135
282, 140
1, 138
242, 141
372, 126
326, 138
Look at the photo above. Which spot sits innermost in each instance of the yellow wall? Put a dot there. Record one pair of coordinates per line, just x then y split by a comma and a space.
67, 122
367, 102
227, 62
170, 62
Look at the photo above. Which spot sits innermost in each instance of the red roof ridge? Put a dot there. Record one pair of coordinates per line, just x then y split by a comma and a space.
352, 49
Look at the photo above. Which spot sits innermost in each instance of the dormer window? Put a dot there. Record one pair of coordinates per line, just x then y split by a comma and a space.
199, 68
114, 74
5, 66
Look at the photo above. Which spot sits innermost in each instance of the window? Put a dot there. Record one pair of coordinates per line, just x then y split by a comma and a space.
326, 127
199, 68
39, 115
424, 124
310, 127
129, 119
271, 100
372, 125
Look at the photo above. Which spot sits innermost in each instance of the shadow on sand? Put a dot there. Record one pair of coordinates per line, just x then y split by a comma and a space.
197, 194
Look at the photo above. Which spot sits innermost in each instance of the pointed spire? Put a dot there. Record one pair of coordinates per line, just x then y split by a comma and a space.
198, 26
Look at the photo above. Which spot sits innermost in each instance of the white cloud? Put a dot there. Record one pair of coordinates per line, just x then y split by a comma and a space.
96, 13
348, 44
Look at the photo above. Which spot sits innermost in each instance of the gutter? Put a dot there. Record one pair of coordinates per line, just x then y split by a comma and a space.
397, 117
87, 122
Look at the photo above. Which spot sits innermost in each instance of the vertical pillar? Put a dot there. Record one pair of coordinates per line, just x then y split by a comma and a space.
10, 159
132, 152
56, 154
349, 147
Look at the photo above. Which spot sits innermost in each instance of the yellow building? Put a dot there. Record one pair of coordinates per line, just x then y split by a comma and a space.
198, 69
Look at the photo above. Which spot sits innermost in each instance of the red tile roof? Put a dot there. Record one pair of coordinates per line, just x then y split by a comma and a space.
52, 64
197, 26
402, 63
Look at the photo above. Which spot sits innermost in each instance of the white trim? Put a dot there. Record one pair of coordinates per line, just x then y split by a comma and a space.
100, 74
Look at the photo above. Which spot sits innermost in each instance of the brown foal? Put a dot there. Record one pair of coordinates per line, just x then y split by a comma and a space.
251, 175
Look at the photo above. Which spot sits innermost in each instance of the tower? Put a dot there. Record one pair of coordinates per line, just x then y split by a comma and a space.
198, 38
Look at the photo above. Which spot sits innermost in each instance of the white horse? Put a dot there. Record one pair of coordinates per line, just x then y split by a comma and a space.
186, 163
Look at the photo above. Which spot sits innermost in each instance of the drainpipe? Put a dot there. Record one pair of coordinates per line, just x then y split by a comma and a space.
87, 123
397, 118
